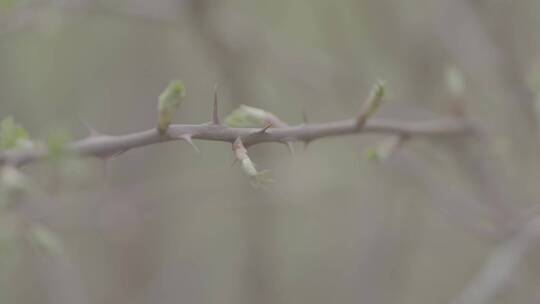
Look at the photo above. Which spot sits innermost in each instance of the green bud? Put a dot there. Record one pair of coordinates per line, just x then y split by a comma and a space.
247, 117
168, 104
256, 178
384, 149
372, 103
248, 167
372, 154
376, 96
13, 135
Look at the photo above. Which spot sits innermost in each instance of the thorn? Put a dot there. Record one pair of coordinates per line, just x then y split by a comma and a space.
187, 138
263, 130
291, 148
255, 134
91, 131
215, 113
234, 162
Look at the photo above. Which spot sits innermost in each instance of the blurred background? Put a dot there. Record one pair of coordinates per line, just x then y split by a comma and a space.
449, 220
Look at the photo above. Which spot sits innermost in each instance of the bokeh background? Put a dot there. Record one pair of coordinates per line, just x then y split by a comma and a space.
439, 221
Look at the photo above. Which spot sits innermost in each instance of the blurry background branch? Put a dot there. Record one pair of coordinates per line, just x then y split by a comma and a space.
500, 269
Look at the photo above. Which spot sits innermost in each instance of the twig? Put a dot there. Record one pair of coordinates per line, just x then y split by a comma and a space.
499, 269
107, 145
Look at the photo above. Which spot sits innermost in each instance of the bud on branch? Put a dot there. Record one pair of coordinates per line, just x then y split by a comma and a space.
371, 104
251, 117
275, 130
257, 178
168, 104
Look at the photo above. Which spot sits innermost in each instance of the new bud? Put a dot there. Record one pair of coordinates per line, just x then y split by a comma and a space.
247, 117
169, 101
372, 103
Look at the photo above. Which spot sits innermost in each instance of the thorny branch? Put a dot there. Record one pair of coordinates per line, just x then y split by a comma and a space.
104, 146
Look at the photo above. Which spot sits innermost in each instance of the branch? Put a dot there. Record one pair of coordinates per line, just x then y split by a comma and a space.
499, 270
108, 145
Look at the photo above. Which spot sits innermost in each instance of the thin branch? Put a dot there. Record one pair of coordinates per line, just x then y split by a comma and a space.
500, 268
106, 145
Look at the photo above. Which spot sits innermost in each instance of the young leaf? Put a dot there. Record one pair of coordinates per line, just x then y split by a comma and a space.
168, 104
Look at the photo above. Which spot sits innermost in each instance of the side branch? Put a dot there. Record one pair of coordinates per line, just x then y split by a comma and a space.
106, 145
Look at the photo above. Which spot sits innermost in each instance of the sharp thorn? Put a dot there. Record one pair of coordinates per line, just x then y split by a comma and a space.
190, 141
263, 130
91, 131
291, 148
215, 112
